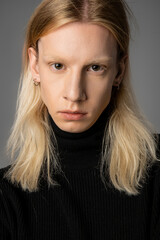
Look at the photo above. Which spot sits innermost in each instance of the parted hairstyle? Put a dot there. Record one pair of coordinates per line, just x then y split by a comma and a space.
130, 141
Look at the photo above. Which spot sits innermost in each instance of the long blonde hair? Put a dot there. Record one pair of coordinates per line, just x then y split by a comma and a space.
129, 143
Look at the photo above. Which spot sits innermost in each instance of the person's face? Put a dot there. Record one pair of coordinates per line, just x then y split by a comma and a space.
76, 68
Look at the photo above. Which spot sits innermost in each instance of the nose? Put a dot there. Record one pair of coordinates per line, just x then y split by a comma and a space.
74, 88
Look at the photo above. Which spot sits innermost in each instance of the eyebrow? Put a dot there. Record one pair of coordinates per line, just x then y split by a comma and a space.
103, 59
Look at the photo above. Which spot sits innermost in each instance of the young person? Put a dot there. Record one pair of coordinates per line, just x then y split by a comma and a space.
85, 161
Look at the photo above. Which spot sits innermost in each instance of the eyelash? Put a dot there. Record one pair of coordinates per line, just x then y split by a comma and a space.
101, 66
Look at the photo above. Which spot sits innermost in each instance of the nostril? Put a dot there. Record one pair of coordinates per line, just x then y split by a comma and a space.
75, 95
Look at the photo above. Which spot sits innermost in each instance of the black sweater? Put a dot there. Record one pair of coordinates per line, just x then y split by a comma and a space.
80, 208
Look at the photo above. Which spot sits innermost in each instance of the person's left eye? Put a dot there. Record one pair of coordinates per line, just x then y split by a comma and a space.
98, 68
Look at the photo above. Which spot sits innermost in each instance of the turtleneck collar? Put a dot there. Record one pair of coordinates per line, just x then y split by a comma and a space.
81, 150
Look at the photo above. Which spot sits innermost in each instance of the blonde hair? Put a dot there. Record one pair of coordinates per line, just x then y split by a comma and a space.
129, 144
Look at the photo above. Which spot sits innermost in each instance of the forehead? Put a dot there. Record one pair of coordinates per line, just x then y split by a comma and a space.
79, 39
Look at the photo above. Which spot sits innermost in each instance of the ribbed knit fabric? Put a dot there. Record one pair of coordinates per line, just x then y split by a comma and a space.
80, 208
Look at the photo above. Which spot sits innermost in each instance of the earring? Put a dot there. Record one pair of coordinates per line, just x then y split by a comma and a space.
35, 82
117, 83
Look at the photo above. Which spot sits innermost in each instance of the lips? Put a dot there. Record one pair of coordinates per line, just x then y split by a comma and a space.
72, 115
72, 112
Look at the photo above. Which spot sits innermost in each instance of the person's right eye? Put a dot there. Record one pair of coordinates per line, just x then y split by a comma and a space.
56, 66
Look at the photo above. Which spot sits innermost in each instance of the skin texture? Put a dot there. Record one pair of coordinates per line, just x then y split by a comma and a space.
77, 82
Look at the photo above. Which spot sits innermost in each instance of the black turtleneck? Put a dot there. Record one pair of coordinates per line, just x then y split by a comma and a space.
80, 208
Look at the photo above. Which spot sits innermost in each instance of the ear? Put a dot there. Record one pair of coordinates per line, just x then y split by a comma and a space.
120, 71
33, 62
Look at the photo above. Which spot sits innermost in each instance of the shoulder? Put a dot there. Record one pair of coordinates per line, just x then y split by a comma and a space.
156, 165
158, 144
4, 183
6, 186
3, 171
154, 170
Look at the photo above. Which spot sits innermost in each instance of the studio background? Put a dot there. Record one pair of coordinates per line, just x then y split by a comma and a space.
144, 55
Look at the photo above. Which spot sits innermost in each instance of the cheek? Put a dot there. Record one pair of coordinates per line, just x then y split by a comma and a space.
104, 97
49, 91
100, 92
48, 94
47, 86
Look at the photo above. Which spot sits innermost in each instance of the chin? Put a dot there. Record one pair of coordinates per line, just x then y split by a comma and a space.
74, 127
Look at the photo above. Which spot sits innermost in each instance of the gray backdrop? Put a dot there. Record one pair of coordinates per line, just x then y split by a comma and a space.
144, 53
